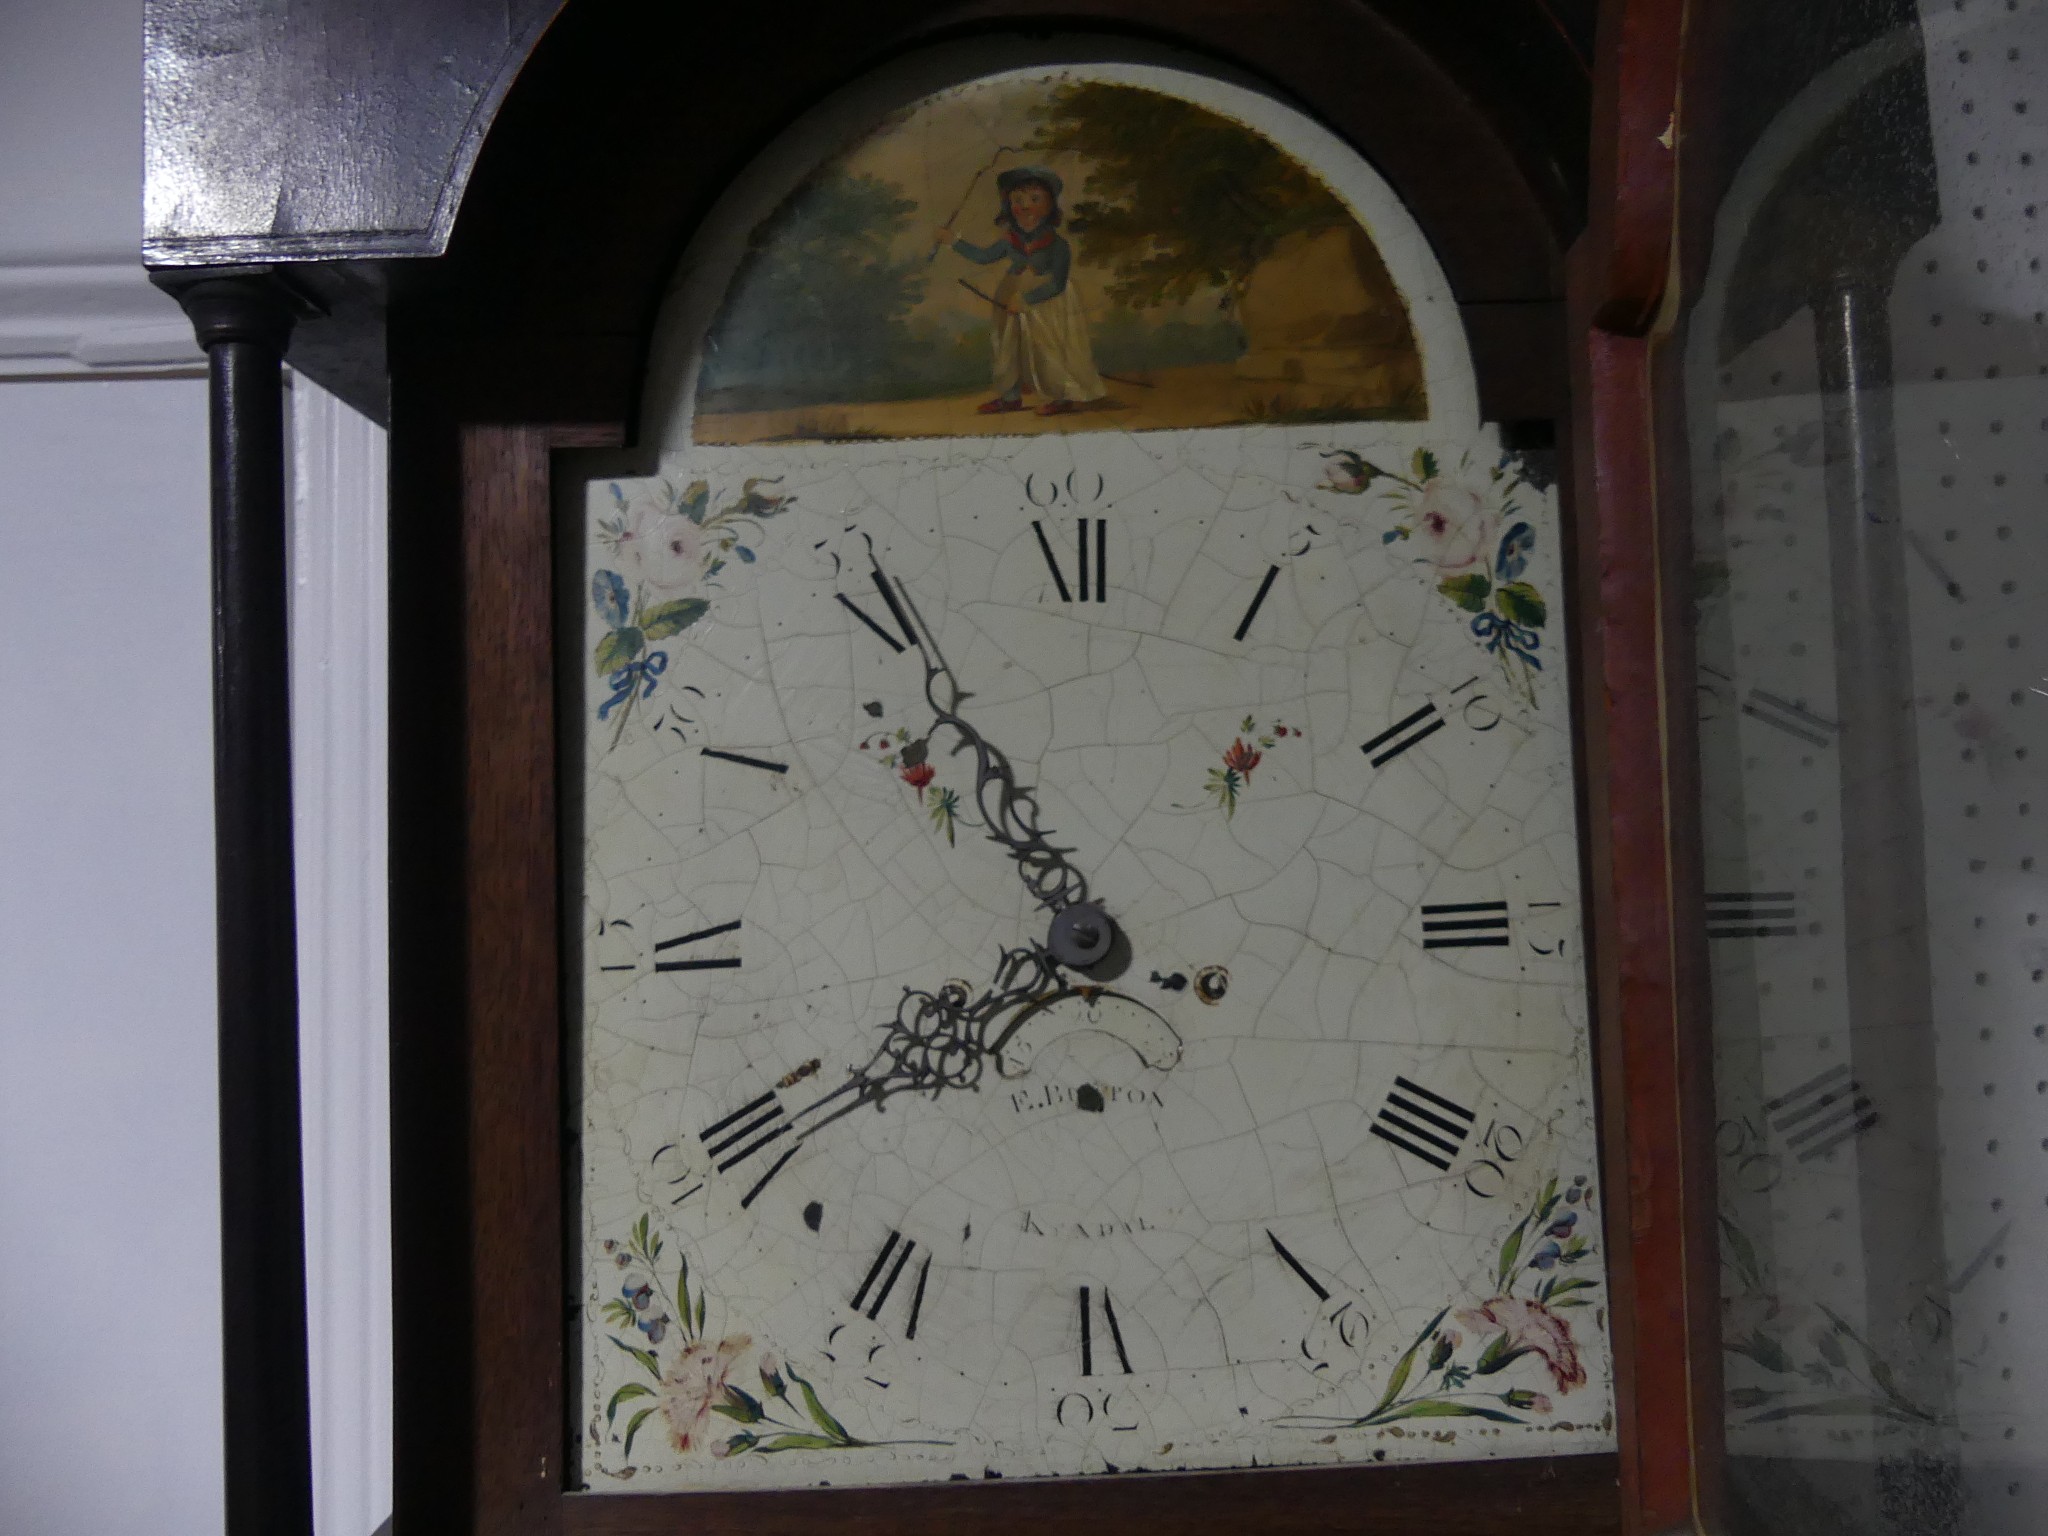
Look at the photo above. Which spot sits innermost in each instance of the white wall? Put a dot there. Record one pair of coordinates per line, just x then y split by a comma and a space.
109, 1229
109, 1233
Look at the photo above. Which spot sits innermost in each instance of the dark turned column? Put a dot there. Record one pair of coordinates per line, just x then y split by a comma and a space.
243, 322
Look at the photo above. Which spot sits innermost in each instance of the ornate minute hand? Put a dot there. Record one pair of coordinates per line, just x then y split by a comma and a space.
1081, 932
948, 1038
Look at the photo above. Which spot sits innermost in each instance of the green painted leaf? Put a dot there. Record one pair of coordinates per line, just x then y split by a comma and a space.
700, 1311
1520, 603
618, 648
683, 1292
646, 1357
626, 1394
1830, 1349
1424, 465
1406, 1365
693, 501
1498, 1356
1511, 1250
740, 1405
1438, 1408
819, 1416
633, 1428
1467, 591
665, 619
795, 1442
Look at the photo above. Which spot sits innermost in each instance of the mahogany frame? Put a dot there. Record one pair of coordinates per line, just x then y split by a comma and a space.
483, 1139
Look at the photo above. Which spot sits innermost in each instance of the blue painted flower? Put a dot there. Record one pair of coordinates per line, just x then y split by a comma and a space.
609, 596
1513, 558
1546, 1256
1562, 1227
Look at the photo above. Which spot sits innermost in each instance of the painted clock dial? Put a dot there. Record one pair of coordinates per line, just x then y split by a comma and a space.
1081, 961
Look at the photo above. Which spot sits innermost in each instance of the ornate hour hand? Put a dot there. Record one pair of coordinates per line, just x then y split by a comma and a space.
948, 1039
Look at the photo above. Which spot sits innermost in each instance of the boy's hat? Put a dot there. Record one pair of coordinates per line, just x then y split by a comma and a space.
1017, 175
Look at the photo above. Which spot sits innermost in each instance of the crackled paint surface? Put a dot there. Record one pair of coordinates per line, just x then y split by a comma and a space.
874, 1188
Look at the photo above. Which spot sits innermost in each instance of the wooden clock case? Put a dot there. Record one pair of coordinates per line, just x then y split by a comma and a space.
530, 336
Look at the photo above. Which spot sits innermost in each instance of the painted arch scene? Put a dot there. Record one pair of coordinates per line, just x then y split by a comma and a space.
1056, 254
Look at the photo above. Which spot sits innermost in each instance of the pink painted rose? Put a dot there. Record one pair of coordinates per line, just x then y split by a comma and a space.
694, 1383
1455, 523
1531, 1326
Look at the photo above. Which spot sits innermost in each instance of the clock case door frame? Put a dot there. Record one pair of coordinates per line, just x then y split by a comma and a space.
529, 337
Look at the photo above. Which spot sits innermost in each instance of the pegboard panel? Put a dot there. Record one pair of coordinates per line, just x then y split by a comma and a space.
1970, 327
1969, 322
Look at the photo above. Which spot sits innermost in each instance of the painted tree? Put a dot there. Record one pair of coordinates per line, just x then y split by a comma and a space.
819, 308
1183, 201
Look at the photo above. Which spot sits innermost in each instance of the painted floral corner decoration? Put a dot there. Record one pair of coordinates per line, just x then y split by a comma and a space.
1437, 1376
910, 759
690, 1377
1803, 1361
1468, 526
665, 544
1241, 757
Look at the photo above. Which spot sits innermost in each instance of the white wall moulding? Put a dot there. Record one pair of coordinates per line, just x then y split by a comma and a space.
338, 764
87, 318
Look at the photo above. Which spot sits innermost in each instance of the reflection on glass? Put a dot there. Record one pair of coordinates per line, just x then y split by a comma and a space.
1862, 359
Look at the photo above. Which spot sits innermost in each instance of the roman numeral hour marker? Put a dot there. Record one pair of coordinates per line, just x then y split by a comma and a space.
1403, 734
722, 963
899, 1249
1465, 925
1423, 1124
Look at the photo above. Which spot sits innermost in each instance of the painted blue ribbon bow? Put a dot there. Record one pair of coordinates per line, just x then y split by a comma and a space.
633, 675
1519, 639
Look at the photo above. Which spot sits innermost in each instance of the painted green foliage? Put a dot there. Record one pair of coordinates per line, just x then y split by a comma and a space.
910, 758
1244, 754
1436, 1377
1470, 530
689, 1377
664, 543
1155, 158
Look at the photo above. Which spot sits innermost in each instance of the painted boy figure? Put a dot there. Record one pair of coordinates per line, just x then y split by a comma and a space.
1040, 330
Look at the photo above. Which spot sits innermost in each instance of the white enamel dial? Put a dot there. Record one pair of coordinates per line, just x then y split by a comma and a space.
1081, 965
